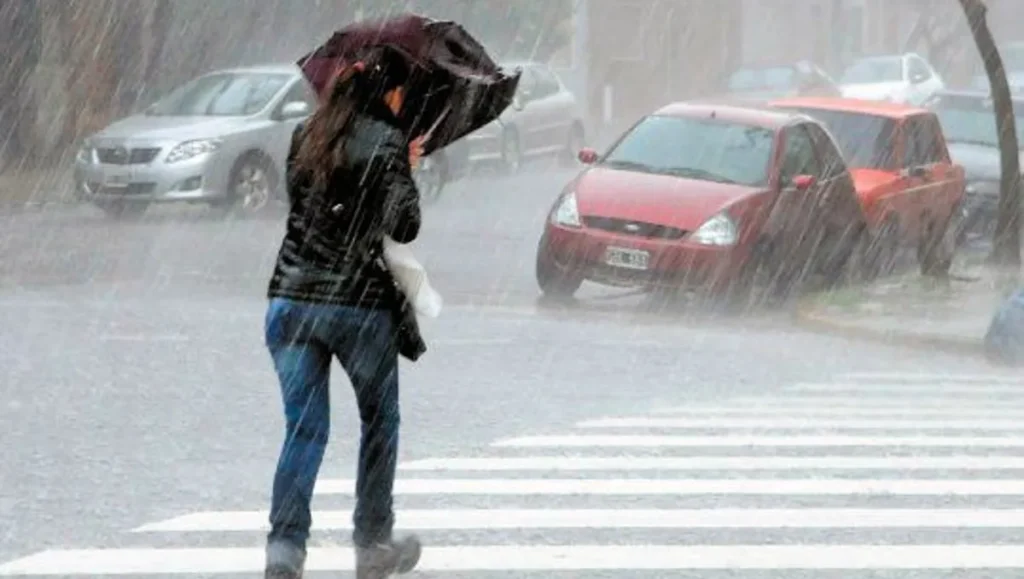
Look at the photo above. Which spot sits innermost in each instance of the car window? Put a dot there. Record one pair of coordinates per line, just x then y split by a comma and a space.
971, 120
864, 140
924, 144
758, 79
1013, 57
301, 91
831, 161
872, 70
917, 67
817, 79
528, 82
221, 94
798, 154
547, 83
820, 77
697, 148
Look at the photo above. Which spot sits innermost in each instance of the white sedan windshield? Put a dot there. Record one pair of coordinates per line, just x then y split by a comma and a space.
222, 94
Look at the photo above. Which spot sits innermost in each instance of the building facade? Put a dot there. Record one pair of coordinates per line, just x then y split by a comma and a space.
638, 55
833, 32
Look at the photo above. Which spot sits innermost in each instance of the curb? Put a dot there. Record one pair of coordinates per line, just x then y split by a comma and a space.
808, 317
15, 207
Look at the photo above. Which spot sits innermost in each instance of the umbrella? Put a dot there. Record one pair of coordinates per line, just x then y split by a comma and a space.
457, 89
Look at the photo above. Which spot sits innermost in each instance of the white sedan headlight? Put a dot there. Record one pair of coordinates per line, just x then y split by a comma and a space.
718, 230
191, 149
567, 214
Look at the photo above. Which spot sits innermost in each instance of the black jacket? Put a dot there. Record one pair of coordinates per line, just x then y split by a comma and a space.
332, 246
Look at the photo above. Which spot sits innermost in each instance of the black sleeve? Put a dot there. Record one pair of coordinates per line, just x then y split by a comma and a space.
289, 168
402, 217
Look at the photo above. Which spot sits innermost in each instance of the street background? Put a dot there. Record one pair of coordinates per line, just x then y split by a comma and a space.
137, 388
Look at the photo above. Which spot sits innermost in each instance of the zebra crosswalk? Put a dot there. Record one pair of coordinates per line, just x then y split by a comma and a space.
897, 473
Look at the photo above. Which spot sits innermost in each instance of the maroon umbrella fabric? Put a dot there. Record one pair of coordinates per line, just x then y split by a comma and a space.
457, 87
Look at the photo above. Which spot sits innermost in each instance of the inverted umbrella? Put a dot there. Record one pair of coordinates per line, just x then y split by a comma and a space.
457, 88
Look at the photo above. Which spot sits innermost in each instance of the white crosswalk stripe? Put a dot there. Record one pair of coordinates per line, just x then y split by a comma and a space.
870, 473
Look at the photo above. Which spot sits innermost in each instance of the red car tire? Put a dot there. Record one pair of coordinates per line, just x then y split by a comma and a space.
554, 280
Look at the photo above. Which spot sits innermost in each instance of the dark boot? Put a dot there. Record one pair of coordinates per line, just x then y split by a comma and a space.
385, 559
284, 560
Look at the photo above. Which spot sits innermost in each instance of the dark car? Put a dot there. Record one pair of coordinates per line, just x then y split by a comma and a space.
968, 122
801, 78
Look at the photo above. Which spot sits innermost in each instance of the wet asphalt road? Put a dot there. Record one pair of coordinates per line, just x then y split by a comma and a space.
136, 390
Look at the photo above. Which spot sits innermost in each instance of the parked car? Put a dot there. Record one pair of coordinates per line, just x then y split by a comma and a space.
1013, 63
707, 197
981, 83
910, 188
440, 168
968, 122
544, 120
220, 139
801, 78
899, 78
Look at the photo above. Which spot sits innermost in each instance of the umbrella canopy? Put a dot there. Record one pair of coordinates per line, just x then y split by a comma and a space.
457, 88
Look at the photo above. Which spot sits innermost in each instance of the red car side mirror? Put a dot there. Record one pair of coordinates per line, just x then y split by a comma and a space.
587, 156
803, 182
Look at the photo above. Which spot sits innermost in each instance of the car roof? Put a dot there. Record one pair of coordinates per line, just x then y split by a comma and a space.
867, 107
283, 68
737, 111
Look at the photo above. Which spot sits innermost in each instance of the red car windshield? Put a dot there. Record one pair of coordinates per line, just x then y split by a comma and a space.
695, 148
864, 140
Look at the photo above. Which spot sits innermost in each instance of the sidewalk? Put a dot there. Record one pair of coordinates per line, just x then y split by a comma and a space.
29, 188
911, 310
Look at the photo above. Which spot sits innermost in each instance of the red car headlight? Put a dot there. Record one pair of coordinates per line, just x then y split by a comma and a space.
719, 230
567, 214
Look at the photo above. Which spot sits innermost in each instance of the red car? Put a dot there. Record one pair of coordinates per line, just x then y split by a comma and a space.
909, 187
704, 196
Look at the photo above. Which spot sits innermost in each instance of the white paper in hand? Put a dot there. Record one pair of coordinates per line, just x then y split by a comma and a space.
410, 275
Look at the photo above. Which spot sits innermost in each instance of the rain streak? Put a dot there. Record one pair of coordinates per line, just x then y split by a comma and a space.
512, 289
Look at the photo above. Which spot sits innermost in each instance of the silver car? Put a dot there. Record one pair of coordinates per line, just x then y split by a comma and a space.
221, 139
544, 120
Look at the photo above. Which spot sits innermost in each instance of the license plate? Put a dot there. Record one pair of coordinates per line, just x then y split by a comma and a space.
117, 180
627, 258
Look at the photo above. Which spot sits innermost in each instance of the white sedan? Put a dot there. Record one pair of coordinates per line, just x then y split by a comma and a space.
901, 78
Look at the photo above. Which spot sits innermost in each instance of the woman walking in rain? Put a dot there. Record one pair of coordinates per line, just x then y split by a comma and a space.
350, 186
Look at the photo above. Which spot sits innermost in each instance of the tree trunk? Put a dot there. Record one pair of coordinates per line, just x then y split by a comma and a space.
1006, 244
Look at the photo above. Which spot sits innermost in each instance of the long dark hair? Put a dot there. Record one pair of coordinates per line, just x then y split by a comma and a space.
358, 87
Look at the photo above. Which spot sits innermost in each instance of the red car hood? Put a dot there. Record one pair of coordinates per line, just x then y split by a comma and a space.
661, 199
868, 180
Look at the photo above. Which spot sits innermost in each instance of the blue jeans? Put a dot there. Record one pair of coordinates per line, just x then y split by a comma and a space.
302, 338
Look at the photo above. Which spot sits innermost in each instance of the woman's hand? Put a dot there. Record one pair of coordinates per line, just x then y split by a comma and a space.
416, 151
